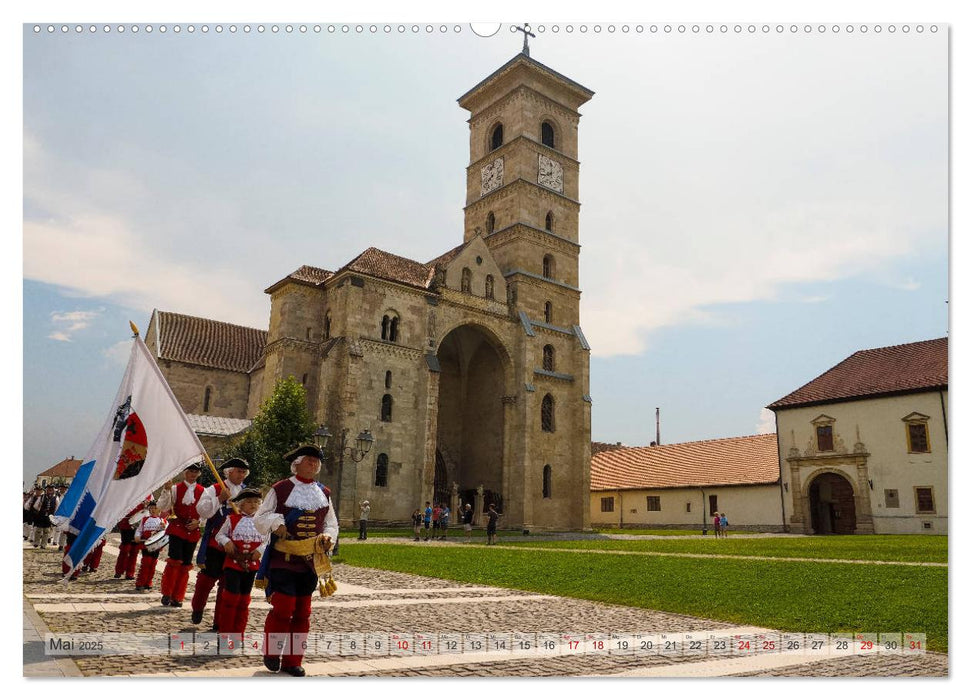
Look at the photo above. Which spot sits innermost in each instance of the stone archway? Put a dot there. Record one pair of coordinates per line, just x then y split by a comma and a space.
470, 444
832, 506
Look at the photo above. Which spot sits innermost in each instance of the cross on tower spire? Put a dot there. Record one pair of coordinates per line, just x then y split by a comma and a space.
526, 34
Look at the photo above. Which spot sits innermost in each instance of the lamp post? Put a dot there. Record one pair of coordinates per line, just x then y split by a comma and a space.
357, 452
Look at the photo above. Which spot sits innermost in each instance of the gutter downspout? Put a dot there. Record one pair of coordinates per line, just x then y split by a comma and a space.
782, 495
944, 414
620, 499
704, 516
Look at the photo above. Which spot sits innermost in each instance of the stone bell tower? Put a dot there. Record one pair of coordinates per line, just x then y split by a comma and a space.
522, 198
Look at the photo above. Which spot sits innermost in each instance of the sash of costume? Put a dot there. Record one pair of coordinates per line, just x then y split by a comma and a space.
263, 578
212, 527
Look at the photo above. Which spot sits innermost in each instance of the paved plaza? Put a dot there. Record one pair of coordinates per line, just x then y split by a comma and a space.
370, 601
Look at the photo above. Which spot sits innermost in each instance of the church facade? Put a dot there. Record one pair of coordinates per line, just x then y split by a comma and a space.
470, 370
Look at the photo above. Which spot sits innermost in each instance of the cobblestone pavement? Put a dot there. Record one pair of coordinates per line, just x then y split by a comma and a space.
370, 600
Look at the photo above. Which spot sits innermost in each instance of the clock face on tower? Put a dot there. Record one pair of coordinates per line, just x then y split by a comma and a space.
491, 176
550, 174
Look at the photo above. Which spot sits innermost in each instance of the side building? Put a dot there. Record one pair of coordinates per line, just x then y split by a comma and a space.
680, 485
863, 446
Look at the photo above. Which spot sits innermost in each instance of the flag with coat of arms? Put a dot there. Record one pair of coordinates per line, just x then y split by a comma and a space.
145, 441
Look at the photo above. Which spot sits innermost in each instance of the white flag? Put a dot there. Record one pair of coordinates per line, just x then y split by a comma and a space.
145, 441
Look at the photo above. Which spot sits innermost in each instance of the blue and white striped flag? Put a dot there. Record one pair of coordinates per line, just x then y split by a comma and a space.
145, 441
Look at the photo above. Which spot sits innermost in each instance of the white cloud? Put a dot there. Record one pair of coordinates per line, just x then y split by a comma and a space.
766, 422
118, 353
58, 335
69, 322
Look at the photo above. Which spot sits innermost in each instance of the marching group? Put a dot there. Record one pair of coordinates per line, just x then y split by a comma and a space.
280, 542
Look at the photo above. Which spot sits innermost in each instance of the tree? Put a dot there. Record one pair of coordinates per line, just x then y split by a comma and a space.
283, 422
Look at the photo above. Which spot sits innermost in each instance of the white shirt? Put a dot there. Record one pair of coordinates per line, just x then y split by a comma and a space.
245, 532
209, 504
302, 496
167, 498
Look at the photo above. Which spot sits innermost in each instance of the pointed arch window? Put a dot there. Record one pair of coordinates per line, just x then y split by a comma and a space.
490, 288
547, 481
548, 312
381, 471
207, 399
466, 280
549, 358
549, 266
490, 223
549, 221
386, 402
548, 135
547, 417
496, 139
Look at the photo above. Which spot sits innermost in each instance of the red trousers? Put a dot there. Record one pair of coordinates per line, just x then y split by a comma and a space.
175, 579
233, 613
146, 572
127, 560
93, 560
290, 615
204, 586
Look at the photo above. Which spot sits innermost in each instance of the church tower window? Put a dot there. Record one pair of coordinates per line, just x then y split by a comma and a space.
381, 471
393, 331
490, 287
389, 328
490, 223
548, 312
385, 327
387, 379
206, 399
466, 280
549, 221
496, 139
386, 402
547, 134
549, 358
546, 415
547, 481
549, 266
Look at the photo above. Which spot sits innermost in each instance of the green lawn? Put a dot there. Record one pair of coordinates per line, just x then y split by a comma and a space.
655, 533
911, 548
791, 596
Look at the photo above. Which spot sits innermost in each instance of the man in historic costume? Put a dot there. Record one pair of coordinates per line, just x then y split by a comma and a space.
44, 507
243, 546
128, 550
215, 506
298, 512
32, 496
181, 500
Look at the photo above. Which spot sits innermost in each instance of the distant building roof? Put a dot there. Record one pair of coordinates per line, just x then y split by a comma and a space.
202, 341
897, 369
726, 462
217, 425
378, 263
596, 447
64, 468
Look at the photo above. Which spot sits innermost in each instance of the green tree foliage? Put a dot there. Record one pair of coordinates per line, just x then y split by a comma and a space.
283, 422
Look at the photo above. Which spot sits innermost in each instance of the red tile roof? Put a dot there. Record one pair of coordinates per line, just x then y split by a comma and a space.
897, 369
446, 257
202, 341
305, 274
66, 467
729, 461
378, 263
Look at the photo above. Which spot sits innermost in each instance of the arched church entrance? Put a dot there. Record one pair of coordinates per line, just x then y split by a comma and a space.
831, 505
469, 445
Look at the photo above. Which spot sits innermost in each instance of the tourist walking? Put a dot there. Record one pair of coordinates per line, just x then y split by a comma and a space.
362, 521
716, 523
428, 519
723, 521
443, 521
491, 525
467, 521
416, 521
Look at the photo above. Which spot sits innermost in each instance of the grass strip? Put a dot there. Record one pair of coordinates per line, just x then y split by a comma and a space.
788, 596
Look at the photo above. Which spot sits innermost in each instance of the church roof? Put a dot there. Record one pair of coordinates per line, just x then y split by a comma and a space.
378, 263
305, 274
733, 461
523, 58
217, 425
66, 467
447, 257
897, 369
202, 341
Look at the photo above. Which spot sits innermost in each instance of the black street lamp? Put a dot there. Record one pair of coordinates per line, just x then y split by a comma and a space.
356, 452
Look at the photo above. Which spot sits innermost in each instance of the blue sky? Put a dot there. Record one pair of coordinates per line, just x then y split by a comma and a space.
755, 207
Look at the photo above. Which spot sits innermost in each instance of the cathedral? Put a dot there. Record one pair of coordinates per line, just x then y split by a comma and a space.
470, 370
